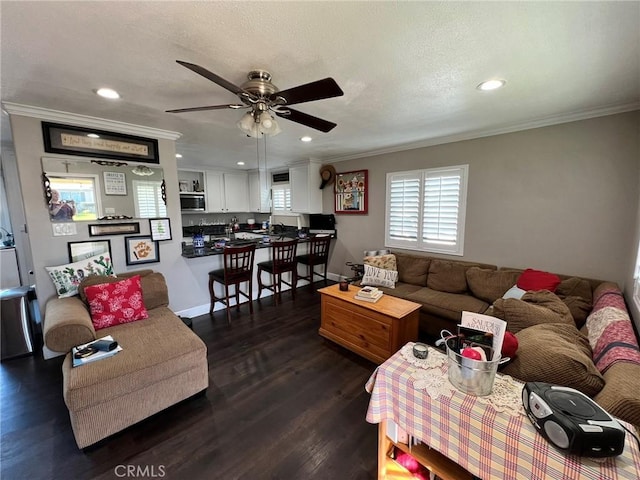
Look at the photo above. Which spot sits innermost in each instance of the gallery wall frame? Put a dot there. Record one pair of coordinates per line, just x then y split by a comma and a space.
160, 229
86, 249
141, 249
351, 192
73, 140
101, 229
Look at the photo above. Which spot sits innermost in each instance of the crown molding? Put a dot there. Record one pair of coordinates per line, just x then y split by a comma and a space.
87, 121
539, 123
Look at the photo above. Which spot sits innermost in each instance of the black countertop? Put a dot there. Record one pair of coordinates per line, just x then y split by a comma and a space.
188, 251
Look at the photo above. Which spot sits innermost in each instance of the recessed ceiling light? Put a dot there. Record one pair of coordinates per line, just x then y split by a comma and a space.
306, 139
108, 93
240, 163
93, 135
178, 155
491, 85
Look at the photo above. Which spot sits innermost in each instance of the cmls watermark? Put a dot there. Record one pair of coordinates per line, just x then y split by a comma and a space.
140, 471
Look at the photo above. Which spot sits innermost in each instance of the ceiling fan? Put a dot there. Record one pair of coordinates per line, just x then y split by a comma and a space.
261, 96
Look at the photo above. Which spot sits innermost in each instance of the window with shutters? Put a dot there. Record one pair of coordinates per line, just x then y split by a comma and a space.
281, 198
147, 196
425, 209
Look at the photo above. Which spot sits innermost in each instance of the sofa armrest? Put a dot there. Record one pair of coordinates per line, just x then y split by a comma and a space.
620, 396
67, 323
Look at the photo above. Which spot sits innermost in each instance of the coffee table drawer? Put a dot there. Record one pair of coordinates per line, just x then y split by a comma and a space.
361, 326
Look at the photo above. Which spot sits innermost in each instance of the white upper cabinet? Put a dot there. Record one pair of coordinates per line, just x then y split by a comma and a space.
306, 196
214, 188
227, 192
236, 192
259, 192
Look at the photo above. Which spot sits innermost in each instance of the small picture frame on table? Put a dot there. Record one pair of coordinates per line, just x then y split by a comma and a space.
160, 229
141, 249
82, 250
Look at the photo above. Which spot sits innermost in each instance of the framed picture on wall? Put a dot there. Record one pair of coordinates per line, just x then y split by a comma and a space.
160, 229
351, 192
81, 250
141, 249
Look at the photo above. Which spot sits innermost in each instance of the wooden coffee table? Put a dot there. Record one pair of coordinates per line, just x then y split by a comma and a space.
374, 330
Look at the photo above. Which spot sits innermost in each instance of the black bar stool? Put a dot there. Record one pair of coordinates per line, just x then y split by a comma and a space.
283, 259
318, 255
238, 268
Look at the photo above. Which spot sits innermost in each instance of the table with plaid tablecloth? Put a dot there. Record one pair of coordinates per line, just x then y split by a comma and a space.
489, 442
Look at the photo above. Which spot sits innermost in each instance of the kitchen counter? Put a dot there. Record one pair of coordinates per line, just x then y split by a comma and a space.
188, 251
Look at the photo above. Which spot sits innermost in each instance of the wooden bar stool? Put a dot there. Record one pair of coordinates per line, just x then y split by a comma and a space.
283, 259
238, 268
318, 255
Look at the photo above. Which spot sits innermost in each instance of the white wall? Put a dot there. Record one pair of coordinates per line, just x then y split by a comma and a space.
187, 282
562, 198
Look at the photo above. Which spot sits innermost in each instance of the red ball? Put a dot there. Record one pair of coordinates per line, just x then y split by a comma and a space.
509, 345
471, 353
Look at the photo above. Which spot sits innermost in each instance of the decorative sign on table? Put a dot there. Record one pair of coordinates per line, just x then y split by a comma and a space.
89, 142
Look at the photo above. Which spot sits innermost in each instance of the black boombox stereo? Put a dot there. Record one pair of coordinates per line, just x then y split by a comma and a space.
571, 421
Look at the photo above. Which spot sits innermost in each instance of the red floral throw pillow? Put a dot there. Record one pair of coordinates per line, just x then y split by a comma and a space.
115, 303
538, 280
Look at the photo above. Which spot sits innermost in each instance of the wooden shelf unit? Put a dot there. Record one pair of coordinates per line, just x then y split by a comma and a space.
434, 461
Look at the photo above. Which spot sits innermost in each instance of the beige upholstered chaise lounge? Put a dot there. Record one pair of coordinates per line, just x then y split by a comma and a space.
162, 362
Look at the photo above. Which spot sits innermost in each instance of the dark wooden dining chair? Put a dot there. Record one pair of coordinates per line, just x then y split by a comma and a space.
318, 255
238, 268
283, 260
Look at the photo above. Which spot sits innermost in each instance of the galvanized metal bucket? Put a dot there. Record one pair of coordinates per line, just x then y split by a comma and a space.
473, 377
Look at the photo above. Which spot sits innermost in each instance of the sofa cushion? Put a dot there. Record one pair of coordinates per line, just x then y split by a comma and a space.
575, 286
534, 308
412, 269
445, 276
66, 278
555, 353
401, 290
579, 307
154, 349
154, 286
386, 262
379, 277
536, 280
116, 303
447, 305
489, 285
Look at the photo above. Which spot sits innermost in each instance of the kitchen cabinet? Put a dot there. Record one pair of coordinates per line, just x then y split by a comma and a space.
226, 192
214, 189
236, 192
259, 197
306, 196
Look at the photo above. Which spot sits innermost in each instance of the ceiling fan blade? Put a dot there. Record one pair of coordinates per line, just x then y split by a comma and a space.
199, 109
326, 88
305, 119
214, 78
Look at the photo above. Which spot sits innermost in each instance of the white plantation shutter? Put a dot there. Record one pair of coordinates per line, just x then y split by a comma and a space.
426, 209
147, 195
281, 198
403, 207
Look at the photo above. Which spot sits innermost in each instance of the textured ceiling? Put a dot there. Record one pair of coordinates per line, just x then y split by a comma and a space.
408, 70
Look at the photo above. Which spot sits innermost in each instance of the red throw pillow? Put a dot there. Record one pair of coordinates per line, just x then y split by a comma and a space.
115, 303
537, 280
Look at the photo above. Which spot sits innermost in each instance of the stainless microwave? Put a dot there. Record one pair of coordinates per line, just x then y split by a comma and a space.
192, 202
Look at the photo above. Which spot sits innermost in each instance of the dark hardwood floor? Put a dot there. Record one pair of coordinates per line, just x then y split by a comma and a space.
282, 403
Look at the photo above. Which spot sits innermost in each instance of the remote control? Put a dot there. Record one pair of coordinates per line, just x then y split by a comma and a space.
104, 345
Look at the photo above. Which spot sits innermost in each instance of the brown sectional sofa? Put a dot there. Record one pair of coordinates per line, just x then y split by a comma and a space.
162, 362
444, 288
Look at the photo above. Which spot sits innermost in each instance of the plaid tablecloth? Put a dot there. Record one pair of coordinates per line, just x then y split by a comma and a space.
487, 443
